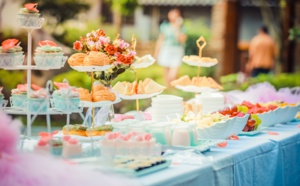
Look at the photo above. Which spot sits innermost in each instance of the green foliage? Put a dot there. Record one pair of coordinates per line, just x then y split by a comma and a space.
125, 7
194, 30
229, 82
294, 33
78, 79
61, 10
10, 79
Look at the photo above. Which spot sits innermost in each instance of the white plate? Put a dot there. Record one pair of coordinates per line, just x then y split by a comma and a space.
195, 89
200, 63
98, 104
143, 62
80, 138
252, 133
139, 96
91, 68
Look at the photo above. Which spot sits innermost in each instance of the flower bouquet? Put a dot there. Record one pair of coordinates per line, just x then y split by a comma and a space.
116, 52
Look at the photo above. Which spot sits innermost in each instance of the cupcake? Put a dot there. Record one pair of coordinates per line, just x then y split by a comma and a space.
11, 53
66, 98
48, 54
1, 97
71, 147
46, 146
29, 16
37, 101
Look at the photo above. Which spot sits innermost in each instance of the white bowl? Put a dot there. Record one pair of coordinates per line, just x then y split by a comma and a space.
221, 130
240, 123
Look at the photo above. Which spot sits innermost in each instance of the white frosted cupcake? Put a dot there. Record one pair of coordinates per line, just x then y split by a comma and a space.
29, 16
11, 53
48, 54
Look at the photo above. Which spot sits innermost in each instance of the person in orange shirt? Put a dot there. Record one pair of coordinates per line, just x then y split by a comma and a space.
262, 53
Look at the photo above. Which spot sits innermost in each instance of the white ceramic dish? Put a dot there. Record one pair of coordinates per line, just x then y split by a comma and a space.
138, 96
91, 68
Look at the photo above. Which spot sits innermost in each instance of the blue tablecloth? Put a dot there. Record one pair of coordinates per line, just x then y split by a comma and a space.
264, 159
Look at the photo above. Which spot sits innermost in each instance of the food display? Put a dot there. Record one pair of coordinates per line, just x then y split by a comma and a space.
197, 82
11, 53
148, 86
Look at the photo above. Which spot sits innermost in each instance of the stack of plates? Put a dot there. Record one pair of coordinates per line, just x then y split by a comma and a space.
210, 102
166, 106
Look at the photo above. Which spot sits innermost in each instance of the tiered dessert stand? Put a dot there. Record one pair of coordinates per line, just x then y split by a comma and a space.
31, 24
201, 43
136, 66
93, 105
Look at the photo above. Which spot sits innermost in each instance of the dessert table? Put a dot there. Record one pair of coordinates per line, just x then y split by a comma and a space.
268, 158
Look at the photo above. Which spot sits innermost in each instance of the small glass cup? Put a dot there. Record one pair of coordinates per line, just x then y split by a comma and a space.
181, 136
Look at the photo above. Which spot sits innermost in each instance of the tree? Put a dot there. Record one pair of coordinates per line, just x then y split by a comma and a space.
121, 8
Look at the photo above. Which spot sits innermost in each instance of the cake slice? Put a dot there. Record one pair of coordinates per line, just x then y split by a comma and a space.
182, 81
153, 87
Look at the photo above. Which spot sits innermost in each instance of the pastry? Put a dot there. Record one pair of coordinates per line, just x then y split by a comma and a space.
76, 129
152, 87
103, 95
96, 59
71, 147
76, 59
148, 86
141, 88
99, 130
84, 94
182, 81
197, 81
119, 87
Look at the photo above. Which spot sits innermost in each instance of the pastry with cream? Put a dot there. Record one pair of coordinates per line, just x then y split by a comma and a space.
71, 147
77, 129
76, 59
96, 59
148, 86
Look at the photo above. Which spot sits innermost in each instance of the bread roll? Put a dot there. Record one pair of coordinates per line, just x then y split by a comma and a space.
76, 59
96, 59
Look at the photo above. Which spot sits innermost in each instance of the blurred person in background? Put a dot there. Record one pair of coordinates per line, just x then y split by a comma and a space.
262, 53
169, 48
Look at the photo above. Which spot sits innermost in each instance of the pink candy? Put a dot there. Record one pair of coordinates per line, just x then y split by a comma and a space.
66, 138
147, 137
139, 138
73, 141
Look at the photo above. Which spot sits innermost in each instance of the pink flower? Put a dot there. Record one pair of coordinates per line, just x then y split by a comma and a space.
123, 44
66, 138
110, 136
103, 40
131, 53
77, 45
